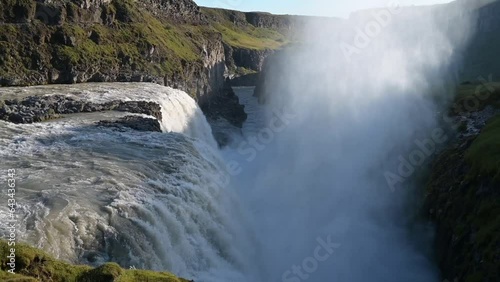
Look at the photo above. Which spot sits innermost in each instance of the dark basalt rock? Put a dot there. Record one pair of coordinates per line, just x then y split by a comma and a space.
134, 122
250, 59
227, 106
245, 80
40, 108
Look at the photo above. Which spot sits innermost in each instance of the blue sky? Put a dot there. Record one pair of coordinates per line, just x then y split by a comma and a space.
337, 8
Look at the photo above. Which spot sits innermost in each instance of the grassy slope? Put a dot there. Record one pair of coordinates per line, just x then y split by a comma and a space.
477, 96
464, 197
243, 35
467, 212
124, 39
35, 265
484, 153
28, 49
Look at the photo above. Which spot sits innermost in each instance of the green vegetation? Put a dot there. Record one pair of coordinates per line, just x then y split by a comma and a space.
467, 212
143, 42
484, 153
473, 97
252, 38
462, 194
34, 265
128, 39
242, 34
241, 71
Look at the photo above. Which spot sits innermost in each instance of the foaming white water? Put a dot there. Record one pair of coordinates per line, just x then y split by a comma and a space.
180, 112
157, 201
321, 176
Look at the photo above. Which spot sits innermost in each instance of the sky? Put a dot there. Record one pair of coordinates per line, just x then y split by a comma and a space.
330, 8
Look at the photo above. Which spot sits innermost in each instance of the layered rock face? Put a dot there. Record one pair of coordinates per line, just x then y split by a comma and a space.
41, 108
94, 41
168, 42
481, 58
162, 41
286, 23
133, 122
174, 10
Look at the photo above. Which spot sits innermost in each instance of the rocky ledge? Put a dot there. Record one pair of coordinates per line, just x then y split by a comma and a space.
227, 106
41, 108
133, 122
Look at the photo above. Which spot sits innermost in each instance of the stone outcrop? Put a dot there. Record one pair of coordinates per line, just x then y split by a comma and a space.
226, 106
40, 108
250, 59
168, 42
179, 11
266, 80
79, 41
133, 122
266, 20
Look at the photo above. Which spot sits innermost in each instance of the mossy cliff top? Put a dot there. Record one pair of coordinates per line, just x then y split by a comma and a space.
33, 265
257, 31
164, 41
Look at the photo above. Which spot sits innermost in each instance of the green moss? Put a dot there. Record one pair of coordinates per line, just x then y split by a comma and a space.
8, 277
249, 39
35, 265
241, 71
462, 195
138, 41
132, 40
476, 96
244, 35
484, 153
12, 8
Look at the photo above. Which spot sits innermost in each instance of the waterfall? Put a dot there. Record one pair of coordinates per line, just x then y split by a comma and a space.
150, 200
314, 176
309, 198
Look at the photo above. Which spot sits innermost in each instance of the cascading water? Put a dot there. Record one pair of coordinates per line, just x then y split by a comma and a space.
149, 200
338, 119
308, 199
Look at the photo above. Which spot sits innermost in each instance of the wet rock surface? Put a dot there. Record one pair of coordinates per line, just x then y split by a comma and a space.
41, 108
227, 106
133, 122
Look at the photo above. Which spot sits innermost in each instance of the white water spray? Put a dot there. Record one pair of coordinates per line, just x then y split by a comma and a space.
158, 201
353, 114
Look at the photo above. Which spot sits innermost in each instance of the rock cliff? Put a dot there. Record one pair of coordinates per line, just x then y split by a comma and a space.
461, 196
169, 42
